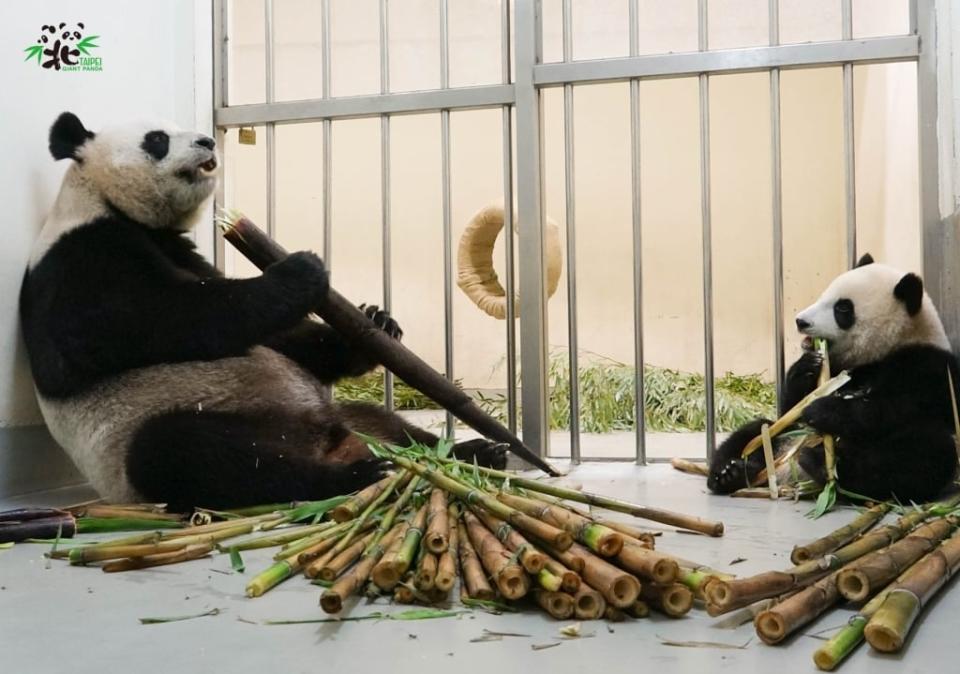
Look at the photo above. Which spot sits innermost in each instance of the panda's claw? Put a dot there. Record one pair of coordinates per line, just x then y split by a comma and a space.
382, 320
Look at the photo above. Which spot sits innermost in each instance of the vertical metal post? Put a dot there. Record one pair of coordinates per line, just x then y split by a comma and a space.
385, 187
849, 162
569, 191
707, 236
447, 217
533, 281
939, 262
776, 193
221, 42
507, 154
327, 159
271, 149
638, 384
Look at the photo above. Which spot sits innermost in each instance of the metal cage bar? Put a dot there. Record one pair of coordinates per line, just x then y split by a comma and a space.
271, 144
447, 215
776, 206
327, 158
507, 154
849, 161
571, 230
221, 62
385, 247
639, 415
707, 237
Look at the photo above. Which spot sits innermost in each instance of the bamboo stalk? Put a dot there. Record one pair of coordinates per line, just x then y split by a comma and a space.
588, 604
673, 600
531, 558
317, 556
331, 601
510, 578
474, 580
650, 564
794, 413
548, 581
426, 576
368, 511
472, 496
614, 615
775, 624
768, 461
186, 554
105, 511
678, 520
692, 467
449, 561
356, 504
411, 542
863, 577
137, 539
839, 537
639, 609
618, 587
281, 538
889, 627
384, 573
79, 556
641, 536
310, 541
404, 593
602, 540
350, 322
219, 526
569, 580
344, 559
696, 579
436, 538
558, 604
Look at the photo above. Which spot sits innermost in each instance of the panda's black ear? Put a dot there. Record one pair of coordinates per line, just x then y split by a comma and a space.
866, 259
910, 291
67, 135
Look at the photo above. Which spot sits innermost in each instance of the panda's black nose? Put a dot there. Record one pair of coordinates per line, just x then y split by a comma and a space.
206, 141
802, 324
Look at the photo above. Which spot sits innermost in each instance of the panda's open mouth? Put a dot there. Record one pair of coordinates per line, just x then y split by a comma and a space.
200, 171
208, 166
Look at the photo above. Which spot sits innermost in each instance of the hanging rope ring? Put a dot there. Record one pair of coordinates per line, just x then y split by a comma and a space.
475, 273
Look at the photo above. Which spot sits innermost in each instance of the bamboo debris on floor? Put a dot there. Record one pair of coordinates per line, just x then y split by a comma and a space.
413, 534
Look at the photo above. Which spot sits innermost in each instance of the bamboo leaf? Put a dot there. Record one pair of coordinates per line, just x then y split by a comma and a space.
6, 546
315, 509
825, 501
236, 561
173, 619
412, 614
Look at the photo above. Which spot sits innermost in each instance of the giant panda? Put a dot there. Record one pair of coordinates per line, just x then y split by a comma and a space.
893, 422
165, 381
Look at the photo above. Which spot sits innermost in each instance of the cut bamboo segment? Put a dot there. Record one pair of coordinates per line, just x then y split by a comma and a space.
557, 604
614, 615
569, 580
426, 576
344, 559
588, 603
351, 508
889, 627
331, 601
650, 564
281, 538
403, 593
186, 554
548, 581
315, 558
839, 537
696, 579
531, 558
436, 538
407, 553
474, 579
392, 567
641, 536
639, 609
449, 561
511, 579
692, 467
618, 587
775, 624
672, 600
472, 496
864, 577
602, 540
109, 512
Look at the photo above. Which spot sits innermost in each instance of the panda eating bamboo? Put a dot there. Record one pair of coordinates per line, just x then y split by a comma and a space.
893, 422
165, 381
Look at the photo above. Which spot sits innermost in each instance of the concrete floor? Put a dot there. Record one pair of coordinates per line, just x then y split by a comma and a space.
56, 618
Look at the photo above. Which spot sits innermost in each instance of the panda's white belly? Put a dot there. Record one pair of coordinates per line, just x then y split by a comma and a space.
95, 428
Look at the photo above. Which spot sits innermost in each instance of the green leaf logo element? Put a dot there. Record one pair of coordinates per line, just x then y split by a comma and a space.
87, 43
34, 52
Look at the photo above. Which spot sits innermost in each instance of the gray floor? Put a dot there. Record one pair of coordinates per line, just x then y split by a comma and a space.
55, 618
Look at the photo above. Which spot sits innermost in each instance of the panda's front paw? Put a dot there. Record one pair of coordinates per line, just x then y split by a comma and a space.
826, 415
730, 476
383, 320
357, 475
303, 279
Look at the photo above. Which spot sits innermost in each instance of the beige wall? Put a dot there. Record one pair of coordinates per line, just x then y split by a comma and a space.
813, 202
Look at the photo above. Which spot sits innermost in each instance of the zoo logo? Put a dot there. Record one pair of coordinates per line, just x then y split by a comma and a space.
60, 48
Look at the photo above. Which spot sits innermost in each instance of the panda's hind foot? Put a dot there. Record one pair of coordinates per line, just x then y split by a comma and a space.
485, 452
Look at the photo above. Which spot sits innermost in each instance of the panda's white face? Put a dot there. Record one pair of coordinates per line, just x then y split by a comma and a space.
868, 312
152, 171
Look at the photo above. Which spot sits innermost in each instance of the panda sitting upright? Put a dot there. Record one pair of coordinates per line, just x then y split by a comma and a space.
893, 422
165, 381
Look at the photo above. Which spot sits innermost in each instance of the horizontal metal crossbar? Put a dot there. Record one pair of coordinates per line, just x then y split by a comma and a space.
353, 107
873, 50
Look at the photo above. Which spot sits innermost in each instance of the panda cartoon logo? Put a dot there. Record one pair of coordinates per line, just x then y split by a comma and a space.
61, 46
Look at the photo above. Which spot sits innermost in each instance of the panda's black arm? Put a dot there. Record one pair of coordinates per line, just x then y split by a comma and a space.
321, 350
801, 380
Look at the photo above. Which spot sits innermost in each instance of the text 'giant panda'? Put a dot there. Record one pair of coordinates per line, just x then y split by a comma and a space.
893, 422
165, 381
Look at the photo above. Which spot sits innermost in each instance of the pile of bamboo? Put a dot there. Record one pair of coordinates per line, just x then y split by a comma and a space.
891, 570
433, 522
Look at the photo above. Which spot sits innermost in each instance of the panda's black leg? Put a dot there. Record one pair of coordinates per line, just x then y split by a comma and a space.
223, 460
380, 423
728, 471
913, 464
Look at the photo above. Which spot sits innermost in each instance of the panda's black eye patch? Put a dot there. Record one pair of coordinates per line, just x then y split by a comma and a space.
843, 314
156, 144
